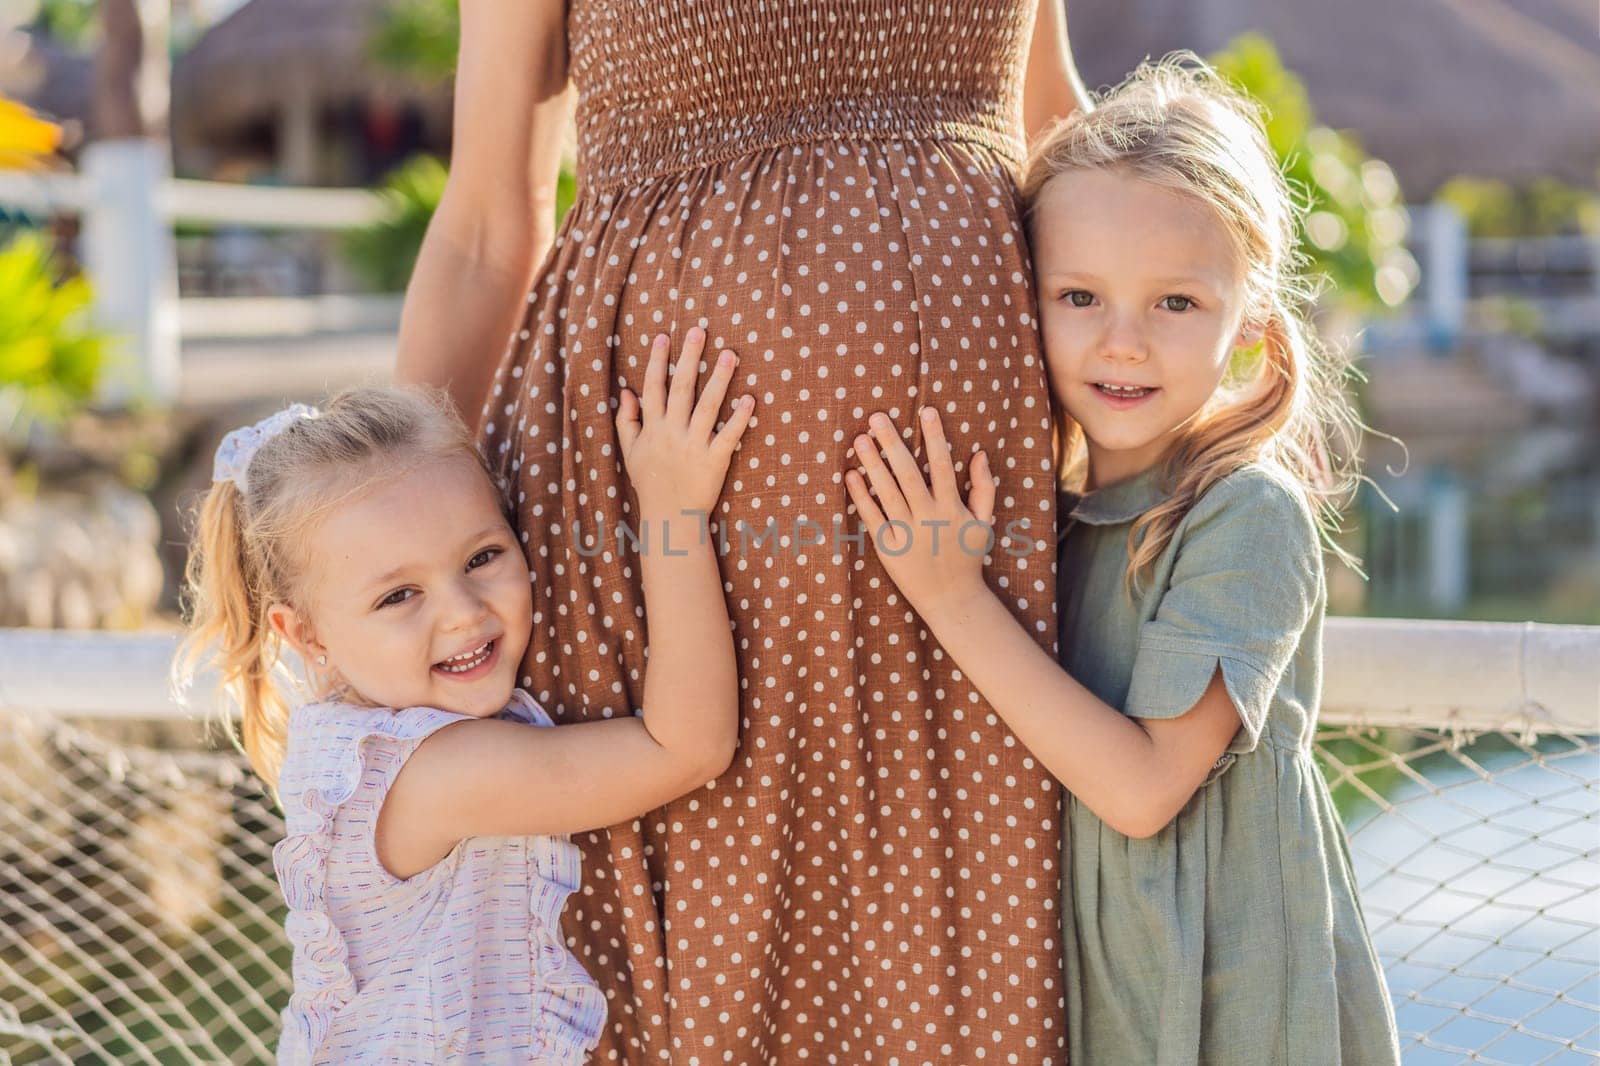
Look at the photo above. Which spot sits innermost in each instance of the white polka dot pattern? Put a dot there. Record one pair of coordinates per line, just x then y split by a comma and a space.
875, 880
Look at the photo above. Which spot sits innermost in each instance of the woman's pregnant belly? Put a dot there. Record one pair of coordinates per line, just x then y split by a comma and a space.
850, 277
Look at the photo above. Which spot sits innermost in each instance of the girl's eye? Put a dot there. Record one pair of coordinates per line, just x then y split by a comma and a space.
398, 596
1177, 303
1079, 297
484, 557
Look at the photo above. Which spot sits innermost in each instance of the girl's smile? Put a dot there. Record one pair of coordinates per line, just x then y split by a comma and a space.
1121, 396
470, 664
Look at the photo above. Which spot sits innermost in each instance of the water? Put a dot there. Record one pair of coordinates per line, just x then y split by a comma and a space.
1502, 527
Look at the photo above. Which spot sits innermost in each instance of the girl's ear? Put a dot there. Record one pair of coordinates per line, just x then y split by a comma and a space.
294, 628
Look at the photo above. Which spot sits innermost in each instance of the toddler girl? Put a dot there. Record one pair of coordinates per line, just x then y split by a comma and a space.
425, 864
1210, 911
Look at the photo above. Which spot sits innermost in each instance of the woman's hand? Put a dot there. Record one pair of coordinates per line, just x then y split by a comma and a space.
929, 541
675, 456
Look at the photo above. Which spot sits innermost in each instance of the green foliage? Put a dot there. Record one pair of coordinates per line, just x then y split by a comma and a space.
1545, 208
385, 252
418, 37
74, 23
1355, 226
50, 356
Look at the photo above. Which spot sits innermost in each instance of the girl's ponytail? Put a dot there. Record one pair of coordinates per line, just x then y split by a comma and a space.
228, 625
1318, 440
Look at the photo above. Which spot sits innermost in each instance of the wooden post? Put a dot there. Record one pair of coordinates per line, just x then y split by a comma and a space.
128, 246
297, 133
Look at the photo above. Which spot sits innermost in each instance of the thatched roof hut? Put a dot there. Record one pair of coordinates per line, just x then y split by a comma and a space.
1507, 89
294, 78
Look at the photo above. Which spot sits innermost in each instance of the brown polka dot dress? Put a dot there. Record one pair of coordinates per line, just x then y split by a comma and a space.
828, 187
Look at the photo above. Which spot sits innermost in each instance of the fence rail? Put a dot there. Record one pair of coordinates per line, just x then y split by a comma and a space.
214, 202
129, 203
140, 923
1447, 675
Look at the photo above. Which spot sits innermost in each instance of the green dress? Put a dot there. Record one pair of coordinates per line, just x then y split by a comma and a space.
1233, 936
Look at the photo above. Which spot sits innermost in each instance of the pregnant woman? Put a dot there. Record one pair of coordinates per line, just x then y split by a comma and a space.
826, 187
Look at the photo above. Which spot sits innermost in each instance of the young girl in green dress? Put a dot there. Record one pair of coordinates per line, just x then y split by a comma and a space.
1209, 911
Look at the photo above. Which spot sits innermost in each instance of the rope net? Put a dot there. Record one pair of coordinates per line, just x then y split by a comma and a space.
1479, 864
140, 921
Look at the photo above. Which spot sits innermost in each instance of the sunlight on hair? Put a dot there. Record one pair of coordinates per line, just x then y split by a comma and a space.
1179, 125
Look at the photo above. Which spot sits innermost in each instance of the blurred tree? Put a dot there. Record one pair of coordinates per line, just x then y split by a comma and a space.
1356, 224
418, 37
50, 355
72, 22
384, 252
1545, 208
132, 71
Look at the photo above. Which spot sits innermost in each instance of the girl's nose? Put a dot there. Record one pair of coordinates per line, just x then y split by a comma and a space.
463, 607
1124, 339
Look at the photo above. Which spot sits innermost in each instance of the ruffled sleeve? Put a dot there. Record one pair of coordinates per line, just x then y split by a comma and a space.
329, 747
569, 1008
1245, 581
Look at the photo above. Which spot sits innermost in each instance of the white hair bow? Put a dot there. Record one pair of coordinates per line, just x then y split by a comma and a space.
232, 462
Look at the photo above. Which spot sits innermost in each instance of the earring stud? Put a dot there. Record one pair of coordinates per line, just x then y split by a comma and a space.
322, 660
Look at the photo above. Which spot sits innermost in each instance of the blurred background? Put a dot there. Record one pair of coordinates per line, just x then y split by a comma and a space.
290, 153
210, 207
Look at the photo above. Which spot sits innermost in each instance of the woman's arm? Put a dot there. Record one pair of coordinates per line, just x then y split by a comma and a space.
1136, 774
496, 219
1052, 88
498, 778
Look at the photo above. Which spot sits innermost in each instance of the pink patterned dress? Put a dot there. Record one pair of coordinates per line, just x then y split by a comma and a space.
463, 962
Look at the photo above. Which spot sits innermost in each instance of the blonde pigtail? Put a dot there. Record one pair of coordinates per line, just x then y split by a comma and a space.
228, 629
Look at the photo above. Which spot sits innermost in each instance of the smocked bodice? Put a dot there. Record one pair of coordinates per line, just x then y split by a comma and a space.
666, 85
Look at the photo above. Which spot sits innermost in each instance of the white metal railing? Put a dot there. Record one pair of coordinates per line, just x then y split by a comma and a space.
213, 317
222, 203
1398, 672
1462, 675
139, 919
129, 203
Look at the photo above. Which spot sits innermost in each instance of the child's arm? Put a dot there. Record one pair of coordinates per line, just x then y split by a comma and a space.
1136, 774
497, 778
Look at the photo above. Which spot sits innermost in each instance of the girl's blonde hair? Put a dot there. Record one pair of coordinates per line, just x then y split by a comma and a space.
1179, 125
247, 550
